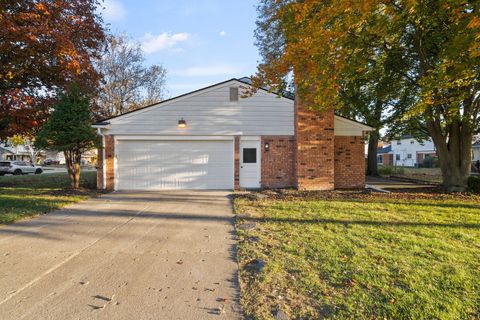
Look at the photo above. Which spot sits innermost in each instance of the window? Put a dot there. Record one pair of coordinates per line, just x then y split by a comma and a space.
397, 157
250, 155
380, 159
233, 94
409, 156
399, 142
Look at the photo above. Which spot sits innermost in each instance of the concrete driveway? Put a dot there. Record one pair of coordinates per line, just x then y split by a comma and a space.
149, 255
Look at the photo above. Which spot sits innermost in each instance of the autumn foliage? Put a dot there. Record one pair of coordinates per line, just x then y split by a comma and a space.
432, 45
44, 46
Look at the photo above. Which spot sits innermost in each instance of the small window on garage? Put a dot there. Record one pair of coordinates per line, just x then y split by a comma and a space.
233, 94
397, 157
250, 155
409, 156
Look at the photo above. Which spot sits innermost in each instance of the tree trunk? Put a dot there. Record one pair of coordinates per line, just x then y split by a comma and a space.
72, 160
372, 160
454, 154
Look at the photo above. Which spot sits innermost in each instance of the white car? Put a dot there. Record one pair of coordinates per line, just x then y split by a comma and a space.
18, 167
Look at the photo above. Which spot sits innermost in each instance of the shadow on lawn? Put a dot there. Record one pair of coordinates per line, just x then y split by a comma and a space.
364, 222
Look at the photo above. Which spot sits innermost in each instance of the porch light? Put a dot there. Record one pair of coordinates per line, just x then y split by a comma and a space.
267, 146
182, 123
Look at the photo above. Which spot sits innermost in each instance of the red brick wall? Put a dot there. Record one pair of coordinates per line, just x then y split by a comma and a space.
349, 162
278, 162
314, 156
109, 159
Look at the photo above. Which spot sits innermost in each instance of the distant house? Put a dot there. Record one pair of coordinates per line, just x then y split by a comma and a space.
385, 156
20, 153
407, 152
5, 153
476, 151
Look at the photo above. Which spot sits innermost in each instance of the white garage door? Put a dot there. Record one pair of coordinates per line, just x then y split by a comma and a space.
179, 164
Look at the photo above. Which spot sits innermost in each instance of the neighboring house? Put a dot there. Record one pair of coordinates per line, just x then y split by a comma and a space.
216, 138
407, 152
88, 157
5, 153
385, 156
19, 153
476, 151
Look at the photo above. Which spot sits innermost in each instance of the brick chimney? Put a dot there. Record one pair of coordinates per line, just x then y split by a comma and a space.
314, 156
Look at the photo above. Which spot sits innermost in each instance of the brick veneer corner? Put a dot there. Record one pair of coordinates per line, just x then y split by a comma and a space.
109, 164
349, 162
314, 154
278, 166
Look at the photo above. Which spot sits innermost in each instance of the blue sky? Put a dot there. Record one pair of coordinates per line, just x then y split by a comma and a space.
199, 42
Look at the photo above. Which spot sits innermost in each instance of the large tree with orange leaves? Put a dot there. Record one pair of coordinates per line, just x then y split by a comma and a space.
433, 46
44, 46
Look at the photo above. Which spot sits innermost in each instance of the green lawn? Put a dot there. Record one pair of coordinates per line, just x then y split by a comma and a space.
29, 195
356, 256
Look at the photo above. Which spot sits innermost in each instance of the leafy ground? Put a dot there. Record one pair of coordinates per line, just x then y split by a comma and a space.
30, 195
350, 255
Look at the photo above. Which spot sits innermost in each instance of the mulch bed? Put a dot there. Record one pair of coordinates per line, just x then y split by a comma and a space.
435, 193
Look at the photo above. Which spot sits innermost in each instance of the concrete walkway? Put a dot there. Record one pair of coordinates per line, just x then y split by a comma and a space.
168, 255
392, 185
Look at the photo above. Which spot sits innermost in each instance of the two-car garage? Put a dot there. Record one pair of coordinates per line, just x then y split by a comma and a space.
174, 164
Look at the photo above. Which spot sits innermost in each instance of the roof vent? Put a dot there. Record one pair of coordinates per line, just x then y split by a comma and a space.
233, 94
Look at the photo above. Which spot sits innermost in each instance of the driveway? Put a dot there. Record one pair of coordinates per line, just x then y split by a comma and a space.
148, 255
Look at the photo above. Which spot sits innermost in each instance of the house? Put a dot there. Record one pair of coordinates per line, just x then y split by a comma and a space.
18, 152
407, 152
5, 153
476, 151
385, 156
216, 138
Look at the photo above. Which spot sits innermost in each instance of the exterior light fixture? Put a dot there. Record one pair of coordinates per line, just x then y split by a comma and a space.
182, 123
267, 146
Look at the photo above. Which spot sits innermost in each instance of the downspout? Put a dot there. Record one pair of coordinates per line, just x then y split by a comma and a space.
104, 173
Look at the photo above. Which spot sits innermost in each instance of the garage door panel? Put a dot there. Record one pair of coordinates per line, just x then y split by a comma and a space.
158, 165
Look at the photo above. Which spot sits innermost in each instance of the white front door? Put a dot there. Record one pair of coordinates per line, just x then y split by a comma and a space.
250, 163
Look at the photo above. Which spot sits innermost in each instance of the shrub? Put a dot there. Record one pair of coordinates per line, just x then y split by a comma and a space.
390, 170
474, 184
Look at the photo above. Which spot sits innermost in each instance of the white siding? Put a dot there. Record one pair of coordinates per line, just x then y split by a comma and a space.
411, 147
210, 112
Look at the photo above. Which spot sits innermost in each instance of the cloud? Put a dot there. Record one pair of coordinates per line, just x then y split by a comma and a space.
165, 40
211, 70
113, 10
223, 33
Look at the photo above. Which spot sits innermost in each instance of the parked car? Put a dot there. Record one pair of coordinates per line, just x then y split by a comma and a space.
18, 167
48, 162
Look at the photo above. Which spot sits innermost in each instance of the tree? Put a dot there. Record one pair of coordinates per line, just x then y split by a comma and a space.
44, 45
127, 84
69, 130
433, 47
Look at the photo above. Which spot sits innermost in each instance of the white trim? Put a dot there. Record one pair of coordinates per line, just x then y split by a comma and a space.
142, 137
250, 138
115, 174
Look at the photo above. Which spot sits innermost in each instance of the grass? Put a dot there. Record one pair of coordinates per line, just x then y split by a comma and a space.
30, 195
354, 256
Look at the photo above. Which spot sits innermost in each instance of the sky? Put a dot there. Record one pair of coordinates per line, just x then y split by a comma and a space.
199, 42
